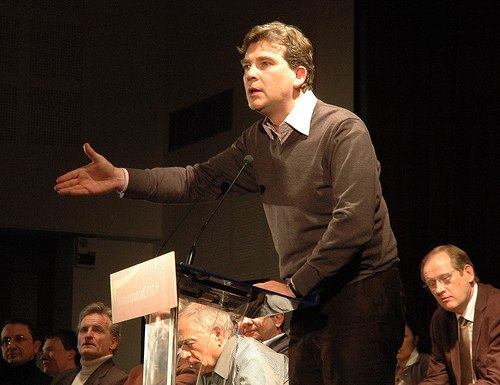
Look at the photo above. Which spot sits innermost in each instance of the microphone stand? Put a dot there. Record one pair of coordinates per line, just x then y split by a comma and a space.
189, 261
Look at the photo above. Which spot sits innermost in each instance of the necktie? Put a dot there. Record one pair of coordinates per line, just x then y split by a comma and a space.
465, 358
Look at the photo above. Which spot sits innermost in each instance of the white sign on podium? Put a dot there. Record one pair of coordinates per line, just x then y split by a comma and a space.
145, 288
149, 289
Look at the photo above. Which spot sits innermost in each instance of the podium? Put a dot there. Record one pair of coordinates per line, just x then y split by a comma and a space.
162, 355
238, 298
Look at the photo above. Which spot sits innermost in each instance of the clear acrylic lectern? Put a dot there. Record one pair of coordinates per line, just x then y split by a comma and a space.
239, 299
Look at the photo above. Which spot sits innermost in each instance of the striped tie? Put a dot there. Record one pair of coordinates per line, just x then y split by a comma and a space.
465, 358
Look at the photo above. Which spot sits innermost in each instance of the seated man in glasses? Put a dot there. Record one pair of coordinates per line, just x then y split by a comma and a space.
465, 329
208, 342
19, 347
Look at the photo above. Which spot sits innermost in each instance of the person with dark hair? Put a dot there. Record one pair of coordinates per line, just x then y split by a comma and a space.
317, 173
60, 352
413, 356
20, 343
465, 329
98, 340
268, 330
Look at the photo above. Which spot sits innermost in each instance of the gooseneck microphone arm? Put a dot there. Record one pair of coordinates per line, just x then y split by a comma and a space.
246, 160
195, 203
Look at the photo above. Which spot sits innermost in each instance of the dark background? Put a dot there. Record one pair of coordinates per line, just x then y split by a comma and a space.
426, 84
427, 87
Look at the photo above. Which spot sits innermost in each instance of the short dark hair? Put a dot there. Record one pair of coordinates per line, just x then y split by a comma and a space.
69, 341
23, 321
298, 49
424, 342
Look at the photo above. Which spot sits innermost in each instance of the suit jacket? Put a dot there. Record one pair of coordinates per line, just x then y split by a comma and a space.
444, 365
280, 345
106, 374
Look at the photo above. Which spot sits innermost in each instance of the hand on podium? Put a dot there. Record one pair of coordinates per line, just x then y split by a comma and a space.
277, 287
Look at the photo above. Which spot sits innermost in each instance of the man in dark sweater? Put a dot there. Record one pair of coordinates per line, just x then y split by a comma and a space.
317, 173
19, 347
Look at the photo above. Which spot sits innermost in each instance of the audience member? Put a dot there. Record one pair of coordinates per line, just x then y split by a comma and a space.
208, 342
60, 352
413, 356
316, 170
20, 344
98, 340
268, 330
469, 353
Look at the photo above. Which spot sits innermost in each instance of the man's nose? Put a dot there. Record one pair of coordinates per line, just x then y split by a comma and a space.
185, 354
439, 287
250, 72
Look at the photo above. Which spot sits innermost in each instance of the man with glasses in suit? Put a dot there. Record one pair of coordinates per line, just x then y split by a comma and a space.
465, 329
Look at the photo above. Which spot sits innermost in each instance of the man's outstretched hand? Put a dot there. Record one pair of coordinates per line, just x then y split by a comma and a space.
99, 177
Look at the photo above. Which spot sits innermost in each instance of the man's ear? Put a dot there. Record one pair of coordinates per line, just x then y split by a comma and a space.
218, 334
279, 319
36, 346
469, 271
300, 76
114, 343
71, 354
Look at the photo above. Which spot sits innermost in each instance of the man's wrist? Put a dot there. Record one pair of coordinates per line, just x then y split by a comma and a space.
123, 182
294, 290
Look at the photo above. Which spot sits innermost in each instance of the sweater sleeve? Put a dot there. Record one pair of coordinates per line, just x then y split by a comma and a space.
205, 181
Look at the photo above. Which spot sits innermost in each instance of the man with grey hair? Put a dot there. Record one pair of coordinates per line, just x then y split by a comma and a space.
98, 340
208, 342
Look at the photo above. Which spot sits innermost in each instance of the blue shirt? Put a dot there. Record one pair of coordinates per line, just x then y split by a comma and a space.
247, 361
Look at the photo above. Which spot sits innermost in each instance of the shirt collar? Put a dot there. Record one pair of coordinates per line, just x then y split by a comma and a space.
271, 340
89, 366
469, 311
299, 118
413, 357
223, 365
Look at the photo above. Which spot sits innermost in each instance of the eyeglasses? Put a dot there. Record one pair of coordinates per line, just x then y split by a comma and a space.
443, 279
18, 339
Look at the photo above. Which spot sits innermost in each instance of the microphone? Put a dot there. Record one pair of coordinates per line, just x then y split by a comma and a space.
246, 161
217, 174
